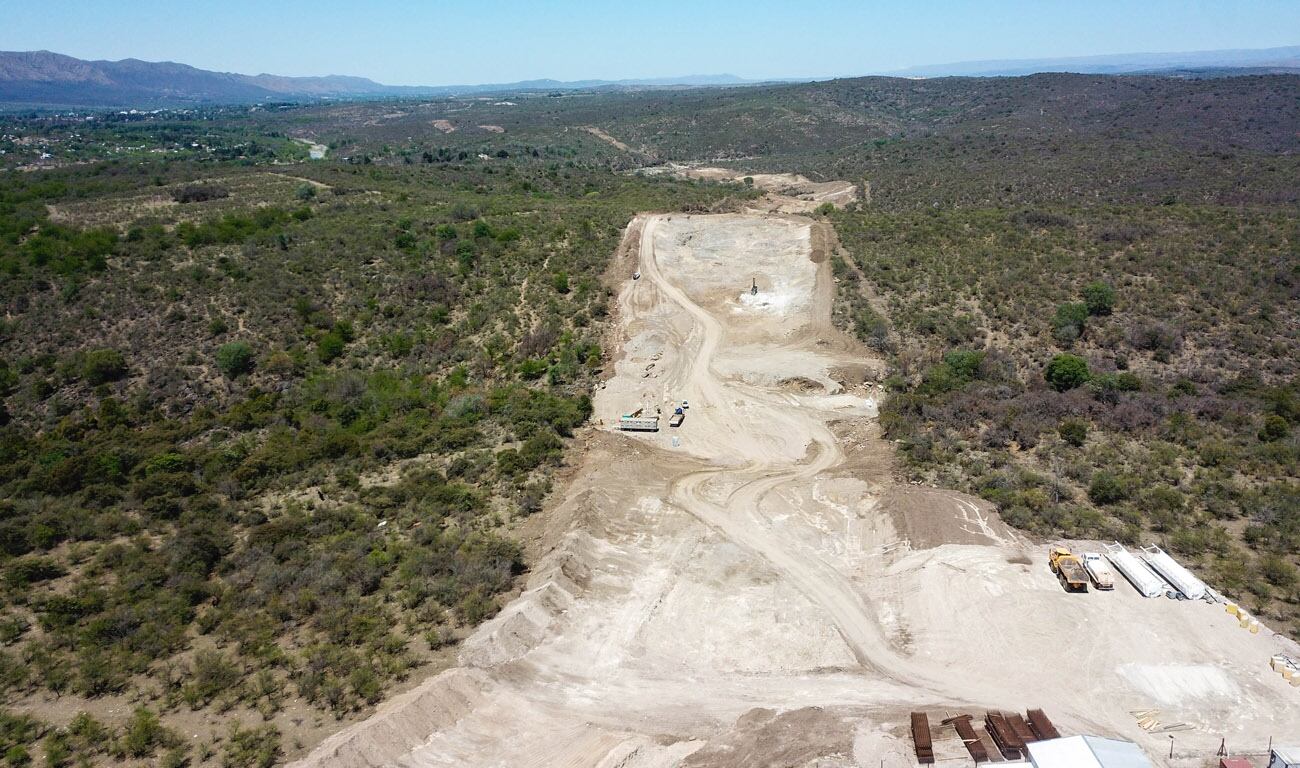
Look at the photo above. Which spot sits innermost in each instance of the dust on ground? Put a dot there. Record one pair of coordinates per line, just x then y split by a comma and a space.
755, 587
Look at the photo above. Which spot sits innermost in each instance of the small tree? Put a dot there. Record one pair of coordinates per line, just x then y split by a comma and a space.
103, 366
1107, 488
235, 359
1073, 431
1069, 321
1099, 298
1275, 428
329, 347
1067, 372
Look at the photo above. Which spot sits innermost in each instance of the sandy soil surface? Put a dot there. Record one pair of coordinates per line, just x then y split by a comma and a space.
605, 137
754, 589
787, 192
314, 151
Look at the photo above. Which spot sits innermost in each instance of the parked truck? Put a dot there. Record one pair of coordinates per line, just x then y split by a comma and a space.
1098, 571
676, 419
1067, 567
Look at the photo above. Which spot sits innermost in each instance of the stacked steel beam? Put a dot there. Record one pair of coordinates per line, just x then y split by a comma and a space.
921, 738
966, 731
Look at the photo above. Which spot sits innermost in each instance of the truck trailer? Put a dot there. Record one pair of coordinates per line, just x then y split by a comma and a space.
1183, 580
1143, 579
636, 422
1098, 571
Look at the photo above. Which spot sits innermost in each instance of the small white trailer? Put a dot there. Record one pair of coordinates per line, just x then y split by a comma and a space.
1138, 574
638, 423
1182, 579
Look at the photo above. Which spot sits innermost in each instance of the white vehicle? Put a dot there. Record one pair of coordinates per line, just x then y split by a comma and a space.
636, 275
685, 405
1098, 570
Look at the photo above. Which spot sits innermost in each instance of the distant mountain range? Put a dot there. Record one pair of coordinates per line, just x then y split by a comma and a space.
1283, 60
45, 79
52, 79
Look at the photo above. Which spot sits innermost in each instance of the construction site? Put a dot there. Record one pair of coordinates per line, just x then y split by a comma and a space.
733, 575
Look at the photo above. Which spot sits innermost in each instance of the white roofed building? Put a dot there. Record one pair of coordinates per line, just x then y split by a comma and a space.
1284, 757
1087, 752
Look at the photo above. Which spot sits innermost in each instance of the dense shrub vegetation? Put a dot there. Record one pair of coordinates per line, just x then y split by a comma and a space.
272, 452
264, 427
1136, 376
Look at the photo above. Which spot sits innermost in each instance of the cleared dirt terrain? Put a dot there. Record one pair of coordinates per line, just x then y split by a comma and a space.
754, 589
788, 192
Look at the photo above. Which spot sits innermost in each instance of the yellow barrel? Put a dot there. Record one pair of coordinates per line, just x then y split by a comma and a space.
1287, 672
1254, 626
1295, 681
1245, 621
1232, 608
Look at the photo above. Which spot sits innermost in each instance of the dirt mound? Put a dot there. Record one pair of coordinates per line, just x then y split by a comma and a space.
800, 384
928, 517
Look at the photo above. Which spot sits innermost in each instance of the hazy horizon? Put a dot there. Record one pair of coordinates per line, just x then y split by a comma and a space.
501, 42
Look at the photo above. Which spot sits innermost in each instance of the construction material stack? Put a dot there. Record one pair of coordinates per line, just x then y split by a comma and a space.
921, 738
1042, 726
1004, 736
978, 752
1020, 728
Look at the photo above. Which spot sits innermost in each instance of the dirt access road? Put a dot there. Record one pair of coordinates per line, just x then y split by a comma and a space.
753, 589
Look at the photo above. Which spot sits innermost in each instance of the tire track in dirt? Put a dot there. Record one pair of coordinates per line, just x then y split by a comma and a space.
738, 520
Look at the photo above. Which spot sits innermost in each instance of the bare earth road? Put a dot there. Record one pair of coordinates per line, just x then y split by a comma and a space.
753, 589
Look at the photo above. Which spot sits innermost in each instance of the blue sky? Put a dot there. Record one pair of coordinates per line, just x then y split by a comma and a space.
435, 43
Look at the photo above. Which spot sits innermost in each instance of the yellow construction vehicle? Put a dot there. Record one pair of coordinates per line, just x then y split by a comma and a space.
1069, 569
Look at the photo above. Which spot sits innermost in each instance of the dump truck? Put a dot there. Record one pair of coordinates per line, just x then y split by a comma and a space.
1098, 571
636, 422
1067, 567
676, 419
